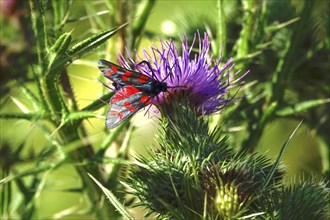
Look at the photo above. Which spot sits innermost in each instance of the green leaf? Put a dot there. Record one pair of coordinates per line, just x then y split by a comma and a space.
32, 169
57, 57
30, 96
74, 116
281, 25
62, 43
27, 116
300, 107
115, 202
93, 42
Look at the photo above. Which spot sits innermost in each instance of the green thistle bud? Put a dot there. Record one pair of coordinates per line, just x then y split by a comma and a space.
227, 190
162, 188
227, 201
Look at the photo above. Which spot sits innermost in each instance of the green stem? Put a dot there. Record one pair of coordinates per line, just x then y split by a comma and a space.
285, 66
38, 33
143, 13
242, 46
47, 76
40, 41
222, 30
280, 81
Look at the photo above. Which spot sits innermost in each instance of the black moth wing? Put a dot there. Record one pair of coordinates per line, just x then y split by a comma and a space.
123, 76
125, 103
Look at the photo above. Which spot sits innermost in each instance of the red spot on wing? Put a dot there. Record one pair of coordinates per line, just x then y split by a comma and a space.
143, 78
108, 73
124, 93
120, 115
113, 113
145, 99
130, 90
124, 78
129, 107
114, 69
128, 73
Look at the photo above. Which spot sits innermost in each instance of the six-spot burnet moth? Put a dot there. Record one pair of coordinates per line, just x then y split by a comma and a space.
135, 91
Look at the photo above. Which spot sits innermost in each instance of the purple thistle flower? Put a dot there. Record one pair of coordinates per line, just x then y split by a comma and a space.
207, 86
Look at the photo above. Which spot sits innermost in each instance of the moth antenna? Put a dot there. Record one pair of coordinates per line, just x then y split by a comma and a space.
166, 76
103, 101
107, 85
148, 109
150, 68
171, 87
153, 73
170, 71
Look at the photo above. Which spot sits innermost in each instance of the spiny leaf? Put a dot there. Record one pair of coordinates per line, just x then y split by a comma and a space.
74, 116
27, 116
115, 202
33, 171
62, 43
93, 41
30, 96
57, 57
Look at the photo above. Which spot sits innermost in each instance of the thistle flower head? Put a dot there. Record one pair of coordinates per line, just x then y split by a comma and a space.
205, 85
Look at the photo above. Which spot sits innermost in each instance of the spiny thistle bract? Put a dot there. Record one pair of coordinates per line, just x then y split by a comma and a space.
308, 200
164, 188
194, 174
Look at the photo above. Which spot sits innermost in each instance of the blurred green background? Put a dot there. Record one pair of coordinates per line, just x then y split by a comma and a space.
308, 151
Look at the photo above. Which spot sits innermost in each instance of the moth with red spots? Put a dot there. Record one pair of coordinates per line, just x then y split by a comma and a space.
135, 91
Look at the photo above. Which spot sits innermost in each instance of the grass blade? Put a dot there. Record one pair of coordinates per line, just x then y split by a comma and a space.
277, 162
